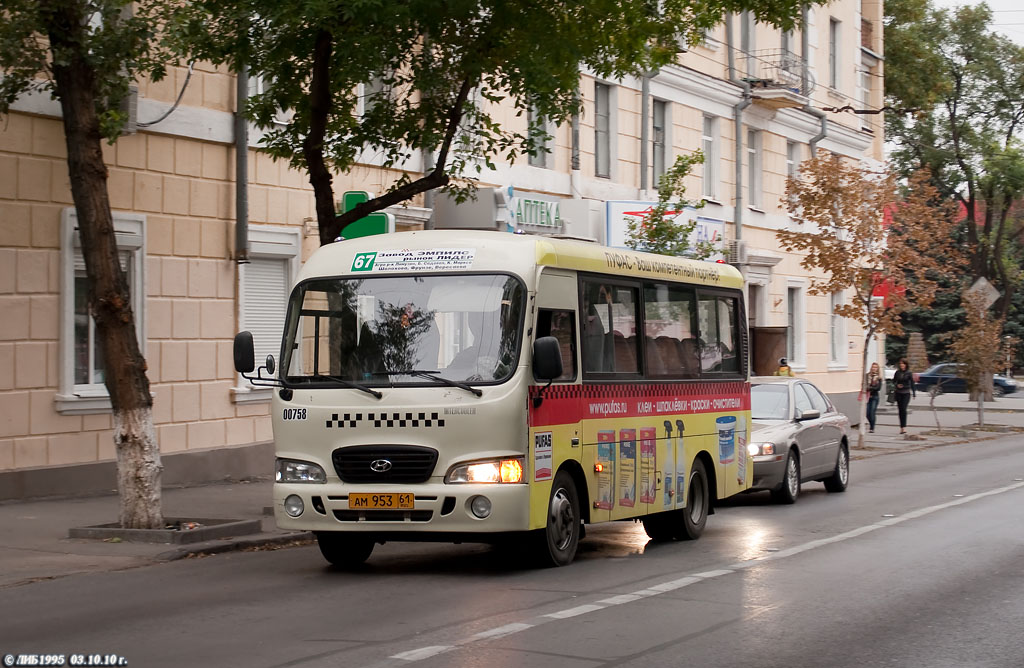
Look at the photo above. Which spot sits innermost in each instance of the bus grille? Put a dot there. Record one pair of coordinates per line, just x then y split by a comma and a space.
408, 463
383, 515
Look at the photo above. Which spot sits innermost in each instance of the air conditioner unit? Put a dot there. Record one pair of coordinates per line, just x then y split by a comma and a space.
736, 251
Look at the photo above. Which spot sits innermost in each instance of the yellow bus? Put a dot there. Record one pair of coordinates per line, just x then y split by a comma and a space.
472, 386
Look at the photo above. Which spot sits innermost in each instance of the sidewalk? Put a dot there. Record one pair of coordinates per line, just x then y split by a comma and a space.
34, 541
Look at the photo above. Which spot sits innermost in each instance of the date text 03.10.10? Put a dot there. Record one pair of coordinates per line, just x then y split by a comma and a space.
64, 660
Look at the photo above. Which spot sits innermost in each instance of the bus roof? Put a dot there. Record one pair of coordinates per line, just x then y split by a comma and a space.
428, 251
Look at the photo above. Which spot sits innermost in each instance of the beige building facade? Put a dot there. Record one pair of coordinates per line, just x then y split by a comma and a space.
172, 186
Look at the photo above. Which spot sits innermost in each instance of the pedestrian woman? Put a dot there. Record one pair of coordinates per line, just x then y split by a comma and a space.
874, 384
903, 381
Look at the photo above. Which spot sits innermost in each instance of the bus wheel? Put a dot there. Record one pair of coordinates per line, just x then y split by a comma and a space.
698, 501
561, 536
345, 550
661, 527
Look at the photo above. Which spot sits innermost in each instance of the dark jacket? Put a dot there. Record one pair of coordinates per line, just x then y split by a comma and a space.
903, 381
874, 384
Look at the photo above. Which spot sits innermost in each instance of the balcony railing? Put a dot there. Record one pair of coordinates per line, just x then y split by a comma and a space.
778, 78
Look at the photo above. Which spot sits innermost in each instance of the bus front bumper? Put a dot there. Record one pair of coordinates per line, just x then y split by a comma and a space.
446, 510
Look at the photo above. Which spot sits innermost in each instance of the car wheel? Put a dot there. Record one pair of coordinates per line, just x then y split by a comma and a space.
698, 502
345, 550
997, 391
841, 476
789, 490
561, 536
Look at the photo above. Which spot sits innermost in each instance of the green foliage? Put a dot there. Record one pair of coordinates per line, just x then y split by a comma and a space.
395, 75
120, 46
662, 229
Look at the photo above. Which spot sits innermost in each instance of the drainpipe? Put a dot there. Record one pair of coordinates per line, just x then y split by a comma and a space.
805, 47
645, 110
241, 168
574, 166
738, 122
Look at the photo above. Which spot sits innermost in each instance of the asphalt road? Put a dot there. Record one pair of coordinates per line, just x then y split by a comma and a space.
919, 563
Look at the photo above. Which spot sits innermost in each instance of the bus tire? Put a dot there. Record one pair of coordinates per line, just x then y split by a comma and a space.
345, 550
661, 527
561, 535
698, 502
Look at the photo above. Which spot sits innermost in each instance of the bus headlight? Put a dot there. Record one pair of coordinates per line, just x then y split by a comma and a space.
508, 470
293, 470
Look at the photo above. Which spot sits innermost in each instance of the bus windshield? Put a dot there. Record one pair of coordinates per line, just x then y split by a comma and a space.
404, 330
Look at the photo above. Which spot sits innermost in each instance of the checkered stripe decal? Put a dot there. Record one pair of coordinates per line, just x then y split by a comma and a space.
341, 421
615, 391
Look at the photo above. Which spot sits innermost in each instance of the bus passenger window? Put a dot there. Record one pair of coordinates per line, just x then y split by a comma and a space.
560, 324
609, 328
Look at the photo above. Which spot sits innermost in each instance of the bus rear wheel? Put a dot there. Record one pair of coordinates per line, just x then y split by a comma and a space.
698, 502
561, 535
344, 550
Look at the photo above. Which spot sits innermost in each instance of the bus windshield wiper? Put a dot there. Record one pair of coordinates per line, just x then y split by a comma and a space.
350, 383
434, 375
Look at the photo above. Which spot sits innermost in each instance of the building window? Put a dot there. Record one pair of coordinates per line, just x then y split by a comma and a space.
836, 331
541, 135
602, 131
754, 168
658, 139
792, 159
833, 53
795, 330
265, 283
865, 96
710, 148
82, 388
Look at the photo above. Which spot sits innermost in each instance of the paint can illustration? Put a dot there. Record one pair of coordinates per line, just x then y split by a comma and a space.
741, 448
680, 465
669, 468
726, 438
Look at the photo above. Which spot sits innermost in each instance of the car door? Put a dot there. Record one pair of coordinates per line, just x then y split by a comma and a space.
830, 427
808, 434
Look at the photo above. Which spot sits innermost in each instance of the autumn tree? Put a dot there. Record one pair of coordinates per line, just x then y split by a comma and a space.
411, 79
965, 85
663, 229
978, 349
86, 53
862, 234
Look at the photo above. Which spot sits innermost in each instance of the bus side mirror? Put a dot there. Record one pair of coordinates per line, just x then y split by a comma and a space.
245, 353
547, 358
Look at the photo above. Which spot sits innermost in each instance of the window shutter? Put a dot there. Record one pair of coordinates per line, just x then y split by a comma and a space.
265, 292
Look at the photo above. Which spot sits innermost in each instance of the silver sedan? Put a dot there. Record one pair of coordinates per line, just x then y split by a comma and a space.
797, 436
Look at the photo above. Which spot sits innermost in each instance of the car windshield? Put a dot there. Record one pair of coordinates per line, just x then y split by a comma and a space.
769, 402
404, 330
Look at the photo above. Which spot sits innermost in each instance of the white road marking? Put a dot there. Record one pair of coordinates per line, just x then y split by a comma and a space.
679, 583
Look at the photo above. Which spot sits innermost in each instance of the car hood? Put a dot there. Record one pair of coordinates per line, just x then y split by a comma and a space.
771, 430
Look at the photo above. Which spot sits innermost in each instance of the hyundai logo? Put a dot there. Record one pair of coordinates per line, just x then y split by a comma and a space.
380, 465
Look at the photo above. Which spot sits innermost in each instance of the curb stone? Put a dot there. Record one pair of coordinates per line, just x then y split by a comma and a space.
220, 547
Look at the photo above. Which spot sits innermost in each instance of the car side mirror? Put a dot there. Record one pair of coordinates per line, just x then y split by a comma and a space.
809, 415
245, 353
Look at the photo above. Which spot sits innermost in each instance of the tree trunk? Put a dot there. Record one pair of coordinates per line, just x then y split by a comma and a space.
138, 454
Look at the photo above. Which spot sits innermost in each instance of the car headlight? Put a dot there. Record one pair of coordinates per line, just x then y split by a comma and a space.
294, 470
508, 470
756, 449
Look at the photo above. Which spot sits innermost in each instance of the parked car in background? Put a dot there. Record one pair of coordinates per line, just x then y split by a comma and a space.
797, 436
943, 377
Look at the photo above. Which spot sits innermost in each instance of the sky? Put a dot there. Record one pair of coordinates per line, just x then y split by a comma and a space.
1007, 15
